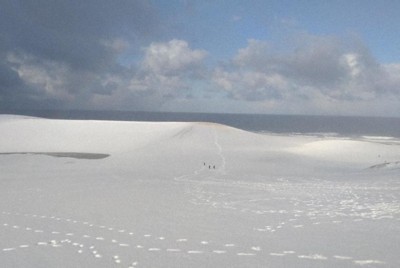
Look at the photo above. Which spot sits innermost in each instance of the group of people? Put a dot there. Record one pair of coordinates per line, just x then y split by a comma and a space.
209, 166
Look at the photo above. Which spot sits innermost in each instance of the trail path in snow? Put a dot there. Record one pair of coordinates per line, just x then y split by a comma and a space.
295, 204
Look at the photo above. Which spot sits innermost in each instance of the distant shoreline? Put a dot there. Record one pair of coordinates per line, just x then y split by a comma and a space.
352, 126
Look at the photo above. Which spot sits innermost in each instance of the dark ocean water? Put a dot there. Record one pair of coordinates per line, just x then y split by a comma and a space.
292, 124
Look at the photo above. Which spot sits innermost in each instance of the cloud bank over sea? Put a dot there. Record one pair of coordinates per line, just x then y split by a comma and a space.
140, 55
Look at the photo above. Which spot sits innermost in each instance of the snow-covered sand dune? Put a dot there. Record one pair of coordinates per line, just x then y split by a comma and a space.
136, 194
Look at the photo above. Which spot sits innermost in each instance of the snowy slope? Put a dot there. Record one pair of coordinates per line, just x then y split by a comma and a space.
193, 195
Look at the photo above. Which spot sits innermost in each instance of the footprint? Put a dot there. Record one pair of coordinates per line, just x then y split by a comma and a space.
245, 254
313, 257
116, 259
9, 249
342, 257
195, 252
277, 254
366, 262
173, 250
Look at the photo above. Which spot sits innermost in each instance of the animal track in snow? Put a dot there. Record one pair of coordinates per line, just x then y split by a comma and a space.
219, 251
313, 257
277, 254
195, 252
368, 262
173, 250
154, 242
245, 254
9, 249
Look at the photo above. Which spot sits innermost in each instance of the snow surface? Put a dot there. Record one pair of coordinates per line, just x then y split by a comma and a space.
154, 198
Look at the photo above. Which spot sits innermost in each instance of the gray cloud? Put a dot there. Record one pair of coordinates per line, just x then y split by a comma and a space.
167, 72
100, 54
61, 51
316, 66
71, 31
172, 58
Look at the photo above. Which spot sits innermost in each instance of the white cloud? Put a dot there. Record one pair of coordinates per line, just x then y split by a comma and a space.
391, 79
172, 57
47, 78
320, 74
257, 52
166, 73
251, 85
118, 45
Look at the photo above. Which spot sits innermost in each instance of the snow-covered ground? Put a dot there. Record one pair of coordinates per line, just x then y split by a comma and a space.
129, 194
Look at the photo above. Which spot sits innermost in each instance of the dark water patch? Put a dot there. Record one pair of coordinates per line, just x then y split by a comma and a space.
91, 156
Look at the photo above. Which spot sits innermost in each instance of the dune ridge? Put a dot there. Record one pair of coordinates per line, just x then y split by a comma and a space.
193, 195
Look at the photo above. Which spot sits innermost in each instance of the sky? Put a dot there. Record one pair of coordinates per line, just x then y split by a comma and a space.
265, 57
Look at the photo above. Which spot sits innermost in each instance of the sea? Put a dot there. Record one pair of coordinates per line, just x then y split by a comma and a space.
349, 126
